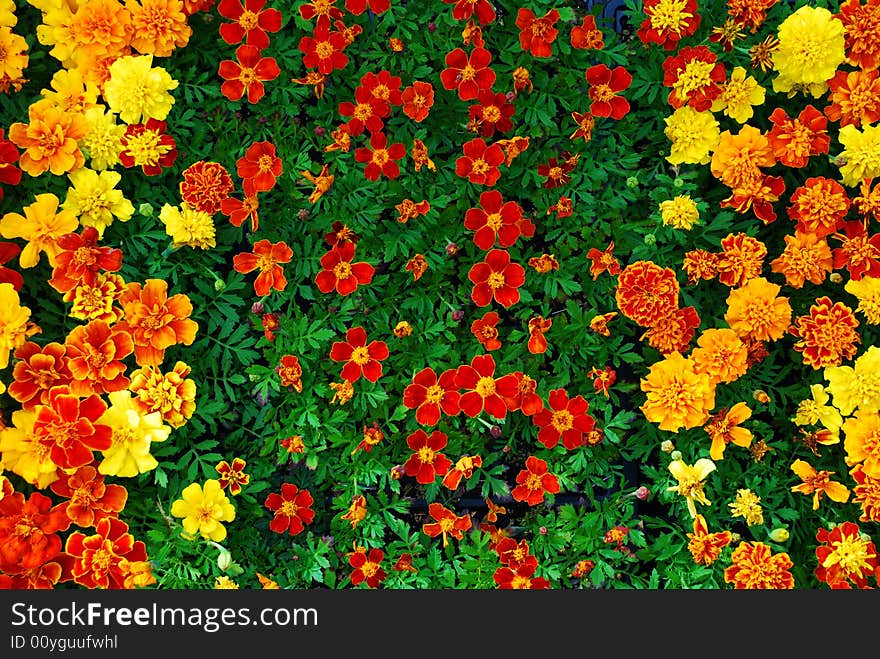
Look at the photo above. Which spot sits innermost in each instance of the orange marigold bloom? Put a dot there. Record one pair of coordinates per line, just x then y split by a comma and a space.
323, 49
50, 140
564, 419
404, 564
266, 258
861, 32
408, 209
520, 576
89, 498
674, 331
755, 566
381, 158
794, 140
360, 357
677, 396
513, 147
158, 26
465, 9
367, 567
724, 428
447, 523
845, 557
741, 259
290, 372
859, 251
36, 370
605, 87
323, 181
854, 96
418, 99
806, 257
533, 482
866, 493
339, 273
819, 206
603, 261
464, 468
756, 312
706, 547
494, 220
66, 426
496, 277
695, 76
96, 302
827, 335
544, 263
232, 475
429, 395
522, 80
110, 558
482, 391
749, 13
357, 511
250, 20
646, 292
318, 81
426, 462
292, 509
468, 73
721, 355
419, 154
737, 159
818, 483
667, 22
172, 394
205, 185
94, 355
599, 324
29, 531
758, 196
372, 436
538, 326
700, 264
259, 167
479, 162
868, 202
240, 210
587, 36
524, 398
536, 35
418, 265
486, 330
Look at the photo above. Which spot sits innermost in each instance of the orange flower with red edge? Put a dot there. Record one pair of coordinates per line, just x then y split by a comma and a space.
259, 167
417, 265
240, 210
360, 358
674, 331
846, 558
426, 462
858, 252
860, 27
205, 185
794, 141
646, 292
536, 35
482, 391
667, 23
110, 558
695, 76
605, 87
463, 469
290, 372
430, 395
340, 274
855, 98
602, 379
367, 567
267, 258
29, 531
564, 419
149, 147
754, 566
67, 428
827, 335
819, 206
520, 576
89, 497
367, 112
37, 369
95, 354
357, 511
292, 509
468, 73
491, 113
418, 99
585, 125
232, 476
323, 49
533, 482
494, 220
446, 523
479, 162
245, 77
250, 20
706, 547
486, 330
741, 259
496, 278
603, 260
409, 209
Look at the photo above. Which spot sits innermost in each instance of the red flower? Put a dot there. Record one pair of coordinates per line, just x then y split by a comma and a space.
250, 22
232, 475
538, 326
259, 168
469, 74
148, 146
426, 461
483, 392
292, 508
240, 210
463, 469
520, 576
358, 7
322, 9
447, 523
89, 498
845, 540
464, 9
266, 257
67, 428
605, 84
10, 174
367, 567
247, 75
555, 172
338, 272
109, 559
492, 112
494, 220
537, 34
323, 50
794, 140
80, 259
380, 158
359, 357
534, 481
565, 419
678, 74
430, 395
367, 113
205, 185
524, 399
383, 86
587, 36
38, 369
646, 292
29, 531
486, 331
480, 162
9, 251
859, 251
496, 278
656, 28
417, 100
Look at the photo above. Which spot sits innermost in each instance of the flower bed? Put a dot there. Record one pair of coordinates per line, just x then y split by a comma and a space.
450, 294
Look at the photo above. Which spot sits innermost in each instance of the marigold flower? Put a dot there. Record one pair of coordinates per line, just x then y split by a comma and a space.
188, 226
10, 174
496, 277
533, 482
855, 98
29, 531
811, 47
291, 508
95, 200
520, 576
524, 399
323, 50
566, 420
37, 369
845, 557
293, 444
430, 395
860, 441
205, 185
464, 9
133, 433
694, 75
367, 567
859, 251
866, 493
538, 326
706, 547
513, 147
818, 483
741, 259
172, 394
806, 257
587, 36
536, 35
42, 225
80, 260
680, 212
24, 454
94, 355
480, 162
867, 291
694, 135
467, 73
418, 265
259, 167
321, 10
738, 159
110, 558
605, 87
667, 22
859, 158
486, 330
816, 410
557, 173
494, 220
603, 261
674, 331
861, 26
290, 372
381, 158
203, 510
721, 355
137, 90
463, 469
794, 141
482, 391
446, 523
426, 461
690, 481
148, 146
827, 335
67, 427
360, 358
646, 291
402, 329
544, 263
367, 112
247, 75
158, 26
756, 312
747, 506
357, 511
266, 258
89, 498
738, 96
251, 21
819, 206
339, 273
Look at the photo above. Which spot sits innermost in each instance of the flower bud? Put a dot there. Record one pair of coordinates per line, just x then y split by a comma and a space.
667, 446
678, 183
396, 472
643, 493
735, 537
320, 131
835, 278
650, 239
303, 214
451, 249
258, 308
632, 182
543, 530
432, 26
761, 396
224, 560
219, 285
495, 431
457, 315
779, 535
145, 209
675, 455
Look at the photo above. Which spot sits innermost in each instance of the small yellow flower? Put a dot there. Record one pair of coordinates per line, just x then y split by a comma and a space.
203, 510
188, 226
690, 481
137, 90
681, 212
815, 410
748, 506
95, 200
133, 434
41, 226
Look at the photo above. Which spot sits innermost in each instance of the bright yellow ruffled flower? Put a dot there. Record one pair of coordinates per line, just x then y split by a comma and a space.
188, 226
681, 212
23, 454
138, 91
811, 47
7, 13
860, 157
203, 510
816, 410
41, 226
856, 387
739, 96
690, 481
747, 506
15, 325
15, 58
70, 93
95, 200
867, 290
693, 135
133, 434
102, 142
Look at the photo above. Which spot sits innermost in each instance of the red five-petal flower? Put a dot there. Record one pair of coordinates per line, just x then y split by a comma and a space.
359, 357
248, 74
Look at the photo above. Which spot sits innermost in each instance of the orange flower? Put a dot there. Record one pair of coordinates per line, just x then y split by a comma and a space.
866, 493
67, 428
700, 264
360, 358
266, 258
291, 509
520, 576
724, 428
95, 354
381, 158
426, 461
323, 49
806, 257
293, 444
667, 23
110, 558
756, 312
232, 475
818, 483
317, 80
465, 9
149, 147
496, 278
534, 481
486, 330
468, 73
599, 324
479, 162
29, 531
794, 140
171, 394
357, 511
408, 209
827, 335
695, 76
417, 265
367, 567
482, 391
706, 547
50, 140
419, 153
429, 395
464, 468
674, 331
602, 379
418, 99
537, 34
524, 398
290, 372
819, 206
721, 355
447, 523
587, 36
603, 261
158, 26
755, 566
741, 259
240, 210
205, 185
861, 431
585, 124
90, 499
565, 419
322, 10
855, 98
79, 260
605, 87
493, 511
861, 33
513, 148
156, 321
251, 20
544, 263
323, 181
844, 555
259, 167
538, 326
646, 291
677, 396
38, 369
339, 273
737, 159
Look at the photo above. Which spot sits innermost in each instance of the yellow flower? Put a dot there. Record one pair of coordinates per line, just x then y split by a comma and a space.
862, 442
811, 46
70, 93
739, 95
867, 290
724, 428
188, 226
690, 481
818, 483
7, 13
15, 59
41, 225
815, 410
677, 396
133, 434
680, 212
103, 139
748, 506
856, 387
137, 91
23, 454
15, 325
860, 157
224, 583
204, 510
95, 199
693, 135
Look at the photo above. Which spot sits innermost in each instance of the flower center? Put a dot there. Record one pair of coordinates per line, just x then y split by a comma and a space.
485, 387
324, 49
479, 166
495, 280
434, 394
380, 156
289, 509
468, 73
342, 270
493, 221
363, 111
360, 355
562, 420
602, 93
248, 20
491, 113
669, 15
426, 455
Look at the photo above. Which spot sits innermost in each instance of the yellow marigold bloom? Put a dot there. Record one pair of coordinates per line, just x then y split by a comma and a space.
41, 225
856, 387
95, 200
188, 226
806, 257
693, 134
816, 410
70, 93
724, 428
690, 481
862, 441
172, 394
747, 506
677, 396
97, 302
867, 290
402, 329
15, 325
204, 510
818, 483
23, 454
14, 59
224, 583
102, 142
7, 13
49, 139
158, 26
138, 91
811, 46
860, 158
739, 96
133, 434
267, 583
680, 212
721, 355
756, 312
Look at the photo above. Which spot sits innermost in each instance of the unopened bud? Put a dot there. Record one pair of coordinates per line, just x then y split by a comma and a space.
495, 431
224, 560
675, 455
219, 285
761, 396
145, 209
643, 493
632, 182
303, 214
451, 249
457, 315
650, 239
835, 278
779, 535
667, 446
320, 131
258, 308
678, 183
542, 530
